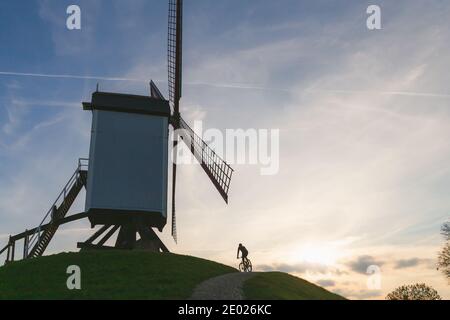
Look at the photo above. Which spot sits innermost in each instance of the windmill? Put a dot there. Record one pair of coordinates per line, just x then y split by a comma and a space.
126, 175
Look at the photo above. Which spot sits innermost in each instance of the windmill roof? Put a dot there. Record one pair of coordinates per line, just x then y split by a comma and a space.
128, 103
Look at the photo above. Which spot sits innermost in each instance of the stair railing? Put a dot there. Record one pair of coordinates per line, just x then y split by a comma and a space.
35, 238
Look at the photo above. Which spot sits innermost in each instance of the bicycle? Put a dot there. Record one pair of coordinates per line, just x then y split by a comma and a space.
245, 265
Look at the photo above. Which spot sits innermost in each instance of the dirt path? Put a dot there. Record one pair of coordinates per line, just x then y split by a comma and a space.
226, 287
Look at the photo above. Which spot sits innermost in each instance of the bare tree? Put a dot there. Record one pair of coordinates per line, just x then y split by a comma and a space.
444, 260
444, 255
446, 231
414, 292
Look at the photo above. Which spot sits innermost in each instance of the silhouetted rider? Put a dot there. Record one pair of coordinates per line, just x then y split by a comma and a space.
244, 253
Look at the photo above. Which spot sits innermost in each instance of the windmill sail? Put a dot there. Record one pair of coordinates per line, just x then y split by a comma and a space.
174, 184
214, 166
175, 65
174, 52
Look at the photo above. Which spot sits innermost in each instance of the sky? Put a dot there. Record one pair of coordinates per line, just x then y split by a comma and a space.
364, 120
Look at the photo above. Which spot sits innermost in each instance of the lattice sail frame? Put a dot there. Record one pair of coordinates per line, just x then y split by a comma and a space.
217, 169
174, 52
175, 62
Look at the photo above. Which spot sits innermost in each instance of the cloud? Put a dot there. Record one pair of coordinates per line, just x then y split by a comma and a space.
69, 76
412, 262
302, 267
387, 93
46, 103
360, 294
230, 85
326, 283
4, 236
361, 263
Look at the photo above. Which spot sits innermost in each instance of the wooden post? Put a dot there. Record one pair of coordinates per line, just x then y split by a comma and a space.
13, 247
25, 246
127, 237
9, 250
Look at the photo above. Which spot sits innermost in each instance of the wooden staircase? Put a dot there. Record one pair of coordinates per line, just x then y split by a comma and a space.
46, 236
37, 239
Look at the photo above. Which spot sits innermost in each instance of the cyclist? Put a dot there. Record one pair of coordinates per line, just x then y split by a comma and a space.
244, 253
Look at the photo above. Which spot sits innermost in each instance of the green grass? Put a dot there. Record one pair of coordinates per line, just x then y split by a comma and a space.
108, 275
282, 286
139, 275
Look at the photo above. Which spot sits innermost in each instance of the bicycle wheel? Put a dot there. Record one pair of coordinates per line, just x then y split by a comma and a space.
241, 267
249, 266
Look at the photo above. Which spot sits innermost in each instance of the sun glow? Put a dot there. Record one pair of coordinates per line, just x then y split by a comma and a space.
321, 254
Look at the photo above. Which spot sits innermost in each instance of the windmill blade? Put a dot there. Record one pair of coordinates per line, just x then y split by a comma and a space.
174, 181
174, 57
174, 52
214, 166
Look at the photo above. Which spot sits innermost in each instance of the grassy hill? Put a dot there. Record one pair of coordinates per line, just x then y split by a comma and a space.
108, 275
137, 275
283, 286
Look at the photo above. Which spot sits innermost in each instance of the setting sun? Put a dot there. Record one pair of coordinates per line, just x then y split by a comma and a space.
318, 253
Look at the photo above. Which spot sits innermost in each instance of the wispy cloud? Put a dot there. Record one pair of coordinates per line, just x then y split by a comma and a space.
413, 262
362, 263
386, 93
69, 76
126, 79
302, 267
360, 294
326, 283
45, 103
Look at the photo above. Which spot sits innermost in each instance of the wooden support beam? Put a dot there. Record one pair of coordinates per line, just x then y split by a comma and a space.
150, 239
62, 221
9, 251
13, 250
97, 234
127, 237
4, 249
90, 246
108, 235
25, 246
121, 239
